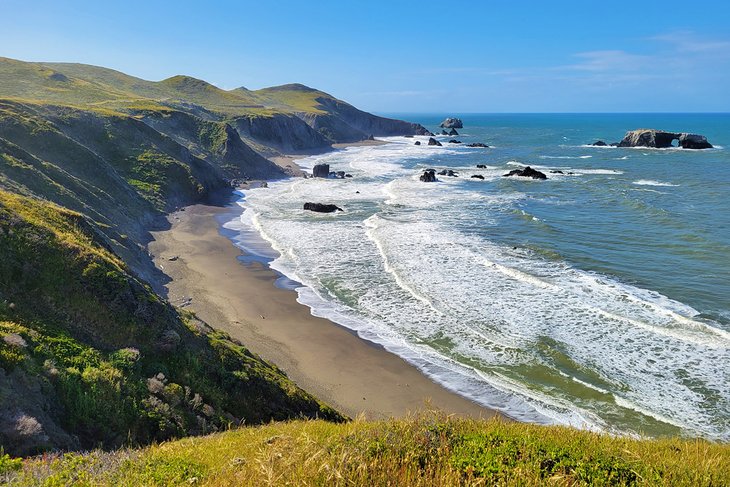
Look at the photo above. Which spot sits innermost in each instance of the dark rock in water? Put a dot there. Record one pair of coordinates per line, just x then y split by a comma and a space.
454, 141
557, 172
332, 175
321, 171
477, 176
340, 174
527, 172
448, 172
428, 176
348, 175
613, 144
694, 141
453, 132
660, 139
481, 166
443, 132
370, 137
599, 143
408, 136
418, 142
321, 207
432, 141
478, 144
454, 123
264, 184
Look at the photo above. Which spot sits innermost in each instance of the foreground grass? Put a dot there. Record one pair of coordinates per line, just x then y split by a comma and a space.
430, 449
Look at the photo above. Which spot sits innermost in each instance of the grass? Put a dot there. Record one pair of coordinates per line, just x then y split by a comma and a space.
94, 352
102, 89
430, 449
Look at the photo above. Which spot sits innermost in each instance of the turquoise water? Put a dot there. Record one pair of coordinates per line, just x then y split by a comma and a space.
599, 298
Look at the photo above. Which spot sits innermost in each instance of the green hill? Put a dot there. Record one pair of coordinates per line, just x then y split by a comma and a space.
90, 356
91, 160
428, 450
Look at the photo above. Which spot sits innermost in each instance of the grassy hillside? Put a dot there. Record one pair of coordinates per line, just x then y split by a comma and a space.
430, 450
90, 356
96, 88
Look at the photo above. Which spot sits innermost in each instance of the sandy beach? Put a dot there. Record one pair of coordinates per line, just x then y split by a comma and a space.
331, 362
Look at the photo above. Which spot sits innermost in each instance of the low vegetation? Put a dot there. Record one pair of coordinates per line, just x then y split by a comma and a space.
428, 450
91, 357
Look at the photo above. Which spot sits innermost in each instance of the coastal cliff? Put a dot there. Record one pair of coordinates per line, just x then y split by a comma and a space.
91, 160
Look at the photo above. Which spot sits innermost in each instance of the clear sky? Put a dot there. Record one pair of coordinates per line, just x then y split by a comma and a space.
398, 56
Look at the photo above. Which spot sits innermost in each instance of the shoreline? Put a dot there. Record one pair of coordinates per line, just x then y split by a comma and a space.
330, 361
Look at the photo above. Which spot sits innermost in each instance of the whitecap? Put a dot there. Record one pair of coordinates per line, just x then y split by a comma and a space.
651, 182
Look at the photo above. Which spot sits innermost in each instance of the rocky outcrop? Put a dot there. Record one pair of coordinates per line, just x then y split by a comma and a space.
527, 172
321, 207
283, 132
454, 141
694, 141
321, 171
453, 132
448, 172
343, 122
428, 176
660, 139
477, 176
450, 123
432, 141
478, 144
599, 143
443, 132
418, 142
481, 166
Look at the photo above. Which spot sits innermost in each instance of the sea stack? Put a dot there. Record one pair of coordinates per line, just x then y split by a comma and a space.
452, 123
660, 139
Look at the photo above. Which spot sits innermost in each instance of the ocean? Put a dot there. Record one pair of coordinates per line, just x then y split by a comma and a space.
598, 298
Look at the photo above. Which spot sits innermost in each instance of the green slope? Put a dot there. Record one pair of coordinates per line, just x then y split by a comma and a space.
430, 450
90, 356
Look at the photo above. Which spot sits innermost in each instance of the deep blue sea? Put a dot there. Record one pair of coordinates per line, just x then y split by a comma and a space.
598, 298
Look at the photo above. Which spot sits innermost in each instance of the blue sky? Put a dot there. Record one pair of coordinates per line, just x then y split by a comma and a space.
397, 56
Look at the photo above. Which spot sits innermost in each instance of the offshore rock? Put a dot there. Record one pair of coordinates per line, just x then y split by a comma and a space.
321, 171
418, 142
527, 172
432, 141
694, 141
321, 207
478, 144
452, 123
443, 132
453, 132
454, 141
599, 143
477, 176
660, 139
428, 176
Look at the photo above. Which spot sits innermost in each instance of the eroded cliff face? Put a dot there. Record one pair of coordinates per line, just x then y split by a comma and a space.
284, 132
348, 124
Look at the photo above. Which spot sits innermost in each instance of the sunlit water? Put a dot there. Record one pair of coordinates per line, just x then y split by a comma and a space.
599, 298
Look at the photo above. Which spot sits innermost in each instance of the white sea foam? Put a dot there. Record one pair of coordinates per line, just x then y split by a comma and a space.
397, 268
651, 182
